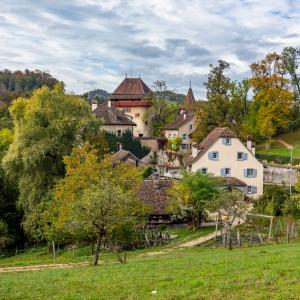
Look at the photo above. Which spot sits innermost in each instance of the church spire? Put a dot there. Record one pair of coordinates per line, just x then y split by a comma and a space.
189, 98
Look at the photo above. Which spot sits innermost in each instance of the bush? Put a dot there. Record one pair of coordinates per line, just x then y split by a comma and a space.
272, 202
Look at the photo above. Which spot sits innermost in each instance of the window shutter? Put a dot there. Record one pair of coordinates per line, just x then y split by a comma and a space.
254, 190
222, 172
217, 155
245, 156
210, 155
224, 141
245, 172
254, 172
229, 172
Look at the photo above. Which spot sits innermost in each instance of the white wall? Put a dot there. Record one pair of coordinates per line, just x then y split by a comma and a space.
228, 159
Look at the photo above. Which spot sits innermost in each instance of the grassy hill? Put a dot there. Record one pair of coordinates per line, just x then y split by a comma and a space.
279, 146
262, 272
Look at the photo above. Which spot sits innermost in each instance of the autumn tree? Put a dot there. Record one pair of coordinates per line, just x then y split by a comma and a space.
271, 107
192, 195
96, 199
46, 127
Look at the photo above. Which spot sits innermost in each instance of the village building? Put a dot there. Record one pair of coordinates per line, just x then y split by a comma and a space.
185, 123
127, 157
222, 153
113, 119
133, 97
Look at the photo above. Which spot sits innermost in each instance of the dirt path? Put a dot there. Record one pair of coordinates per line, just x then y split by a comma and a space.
191, 243
285, 144
41, 267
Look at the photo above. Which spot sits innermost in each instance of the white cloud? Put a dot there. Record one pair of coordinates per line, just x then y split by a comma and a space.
91, 44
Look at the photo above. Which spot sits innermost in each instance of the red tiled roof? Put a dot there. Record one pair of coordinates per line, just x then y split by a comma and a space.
214, 135
181, 120
131, 103
132, 89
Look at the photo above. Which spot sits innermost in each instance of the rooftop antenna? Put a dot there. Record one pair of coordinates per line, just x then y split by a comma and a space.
126, 75
139, 76
131, 71
190, 84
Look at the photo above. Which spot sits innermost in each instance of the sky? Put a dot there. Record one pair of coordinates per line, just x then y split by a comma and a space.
92, 44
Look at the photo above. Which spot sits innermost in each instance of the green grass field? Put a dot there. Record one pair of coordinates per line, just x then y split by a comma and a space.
292, 138
260, 272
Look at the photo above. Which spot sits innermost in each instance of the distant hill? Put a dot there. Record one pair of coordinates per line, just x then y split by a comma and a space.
14, 84
102, 95
98, 94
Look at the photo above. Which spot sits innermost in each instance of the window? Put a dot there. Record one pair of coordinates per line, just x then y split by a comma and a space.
204, 170
174, 135
127, 110
146, 122
251, 189
190, 126
169, 135
119, 133
227, 171
184, 146
184, 136
250, 173
137, 115
226, 141
240, 156
140, 135
213, 155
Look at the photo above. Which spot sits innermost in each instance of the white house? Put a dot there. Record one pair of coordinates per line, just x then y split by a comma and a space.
223, 154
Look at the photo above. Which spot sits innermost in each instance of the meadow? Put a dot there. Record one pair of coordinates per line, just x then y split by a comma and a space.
270, 271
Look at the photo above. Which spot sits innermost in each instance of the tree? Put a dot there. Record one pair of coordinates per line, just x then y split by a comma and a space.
272, 201
272, 97
290, 57
46, 127
161, 113
97, 199
192, 195
174, 144
231, 207
128, 143
217, 111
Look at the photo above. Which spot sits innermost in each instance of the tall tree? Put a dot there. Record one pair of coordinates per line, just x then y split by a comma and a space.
216, 113
290, 57
97, 199
272, 96
46, 127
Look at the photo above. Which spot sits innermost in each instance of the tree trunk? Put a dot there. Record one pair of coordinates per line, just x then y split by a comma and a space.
229, 240
97, 251
238, 237
53, 249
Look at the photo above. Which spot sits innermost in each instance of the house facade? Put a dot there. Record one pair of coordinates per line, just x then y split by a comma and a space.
222, 153
133, 97
113, 120
185, 123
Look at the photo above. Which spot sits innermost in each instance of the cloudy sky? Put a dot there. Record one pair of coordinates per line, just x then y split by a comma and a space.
93, 43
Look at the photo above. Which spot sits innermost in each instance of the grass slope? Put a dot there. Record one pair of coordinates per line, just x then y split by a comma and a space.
292, 138
262, 272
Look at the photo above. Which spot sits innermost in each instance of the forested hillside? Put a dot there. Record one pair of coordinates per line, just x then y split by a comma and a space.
15, 84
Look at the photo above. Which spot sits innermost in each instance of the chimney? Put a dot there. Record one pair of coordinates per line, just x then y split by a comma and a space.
109, 103
184, 115
194, 150
250, 144
94, 104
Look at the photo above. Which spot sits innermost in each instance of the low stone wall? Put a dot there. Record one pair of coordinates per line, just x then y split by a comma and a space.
280, 175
